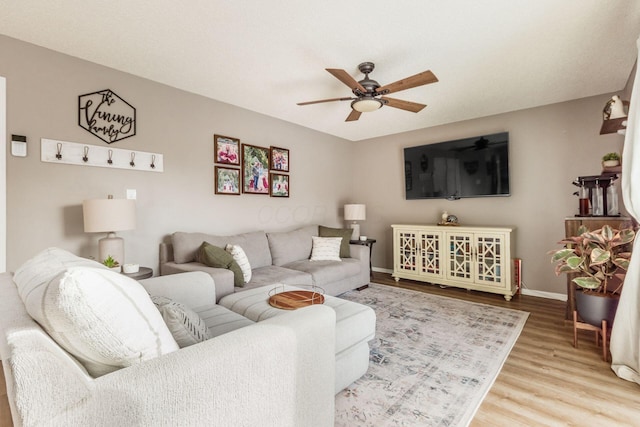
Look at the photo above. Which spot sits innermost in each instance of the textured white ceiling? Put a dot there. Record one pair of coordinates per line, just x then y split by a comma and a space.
490, 56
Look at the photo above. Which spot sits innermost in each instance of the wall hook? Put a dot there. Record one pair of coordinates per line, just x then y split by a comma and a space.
153, 161
110, 161
133, 157
85, 158
59, 153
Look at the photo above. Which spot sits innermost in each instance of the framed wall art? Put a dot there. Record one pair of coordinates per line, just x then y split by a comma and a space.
279, 159
227, 180
279, 185
255, 169
227, 150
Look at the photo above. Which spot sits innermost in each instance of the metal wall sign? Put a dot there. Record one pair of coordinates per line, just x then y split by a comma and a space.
106, 115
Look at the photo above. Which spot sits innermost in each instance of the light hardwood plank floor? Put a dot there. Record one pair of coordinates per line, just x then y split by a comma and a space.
545, 381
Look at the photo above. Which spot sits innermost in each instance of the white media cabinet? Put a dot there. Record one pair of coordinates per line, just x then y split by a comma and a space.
475, 258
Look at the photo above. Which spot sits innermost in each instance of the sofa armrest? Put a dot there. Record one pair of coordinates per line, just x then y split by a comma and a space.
360, 252
193, 289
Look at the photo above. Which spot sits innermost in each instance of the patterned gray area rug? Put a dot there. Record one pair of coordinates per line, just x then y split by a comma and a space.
432, 361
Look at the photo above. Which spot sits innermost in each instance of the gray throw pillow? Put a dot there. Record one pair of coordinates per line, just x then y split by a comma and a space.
185, 325
345, 233
214, 256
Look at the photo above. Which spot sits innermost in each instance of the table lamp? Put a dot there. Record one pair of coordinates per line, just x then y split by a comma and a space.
108, 216
355, 213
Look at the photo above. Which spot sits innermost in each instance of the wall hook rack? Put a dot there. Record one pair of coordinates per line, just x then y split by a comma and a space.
78, 154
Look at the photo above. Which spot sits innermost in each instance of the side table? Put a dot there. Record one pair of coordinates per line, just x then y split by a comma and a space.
369, 243
143, 273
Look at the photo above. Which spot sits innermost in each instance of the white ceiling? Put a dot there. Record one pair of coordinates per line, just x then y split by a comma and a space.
490, 56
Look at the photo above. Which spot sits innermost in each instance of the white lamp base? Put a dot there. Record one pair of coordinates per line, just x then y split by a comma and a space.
355, 235
111, 246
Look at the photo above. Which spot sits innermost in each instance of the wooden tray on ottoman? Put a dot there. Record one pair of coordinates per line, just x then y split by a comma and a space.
295, 299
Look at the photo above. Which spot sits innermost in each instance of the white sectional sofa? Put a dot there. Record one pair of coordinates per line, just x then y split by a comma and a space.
277, 372
275, 257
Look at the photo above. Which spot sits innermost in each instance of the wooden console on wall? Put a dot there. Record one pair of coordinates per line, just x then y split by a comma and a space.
474, 258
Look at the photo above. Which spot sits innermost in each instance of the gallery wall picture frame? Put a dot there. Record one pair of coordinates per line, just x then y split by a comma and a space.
279, 159
279, 185
227, 150
255, 169
227, 181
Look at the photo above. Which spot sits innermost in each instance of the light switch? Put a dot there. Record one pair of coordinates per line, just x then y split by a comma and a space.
131, 194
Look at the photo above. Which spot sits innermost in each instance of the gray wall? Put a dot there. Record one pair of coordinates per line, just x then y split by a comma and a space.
44, 199
549, 147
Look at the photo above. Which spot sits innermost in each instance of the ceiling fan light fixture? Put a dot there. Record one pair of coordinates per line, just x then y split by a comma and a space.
366, 105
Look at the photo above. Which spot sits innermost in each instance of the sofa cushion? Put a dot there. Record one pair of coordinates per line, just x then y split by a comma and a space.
241, 259
254, 244
103, 318
326, 248
324, 272
220, 320
345, 233
214, 256
275, 274
186, 327
291, 246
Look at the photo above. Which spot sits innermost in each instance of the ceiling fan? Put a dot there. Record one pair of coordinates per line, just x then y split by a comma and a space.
369, 93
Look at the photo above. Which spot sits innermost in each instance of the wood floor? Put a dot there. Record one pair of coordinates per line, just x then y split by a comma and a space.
544, 382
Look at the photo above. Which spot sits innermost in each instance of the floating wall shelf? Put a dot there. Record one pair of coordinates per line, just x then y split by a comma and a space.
73, 153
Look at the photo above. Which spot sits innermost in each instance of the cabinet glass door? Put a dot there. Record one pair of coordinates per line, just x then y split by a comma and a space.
460, 256
489, 259
430, 253
407, 251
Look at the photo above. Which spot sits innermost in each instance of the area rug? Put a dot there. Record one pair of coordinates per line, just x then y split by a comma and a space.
432, 361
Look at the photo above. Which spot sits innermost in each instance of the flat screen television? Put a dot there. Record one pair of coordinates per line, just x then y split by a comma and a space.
469, 167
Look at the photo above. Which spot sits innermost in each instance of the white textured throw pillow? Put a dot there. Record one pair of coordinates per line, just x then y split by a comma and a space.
241, 258
326, 248
185, 325
103, 318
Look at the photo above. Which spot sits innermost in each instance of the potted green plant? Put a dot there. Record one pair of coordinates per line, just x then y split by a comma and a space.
610, 160
600, 258
111, 263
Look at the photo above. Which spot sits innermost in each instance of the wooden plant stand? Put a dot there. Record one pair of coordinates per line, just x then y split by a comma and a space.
601, 331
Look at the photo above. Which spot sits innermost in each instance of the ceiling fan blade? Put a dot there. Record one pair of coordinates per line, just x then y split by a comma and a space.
419, 79
324, 100
353, 116
403, 105
345, 78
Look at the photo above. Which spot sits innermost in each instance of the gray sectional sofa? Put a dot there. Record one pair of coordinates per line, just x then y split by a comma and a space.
275, 257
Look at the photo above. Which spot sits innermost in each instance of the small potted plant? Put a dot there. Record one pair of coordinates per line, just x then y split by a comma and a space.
600, 258
111, 263
610, 160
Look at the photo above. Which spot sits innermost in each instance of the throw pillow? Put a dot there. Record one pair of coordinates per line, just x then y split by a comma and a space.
214, 256
103, 318
241, 258
345, 233
326, 248
185, 325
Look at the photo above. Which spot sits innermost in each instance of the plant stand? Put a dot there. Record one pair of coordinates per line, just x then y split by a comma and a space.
601, 331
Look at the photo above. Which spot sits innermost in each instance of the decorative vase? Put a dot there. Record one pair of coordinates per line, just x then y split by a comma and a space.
593, 308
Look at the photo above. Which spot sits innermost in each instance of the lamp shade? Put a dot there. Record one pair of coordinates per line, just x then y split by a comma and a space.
107, 215
355, 212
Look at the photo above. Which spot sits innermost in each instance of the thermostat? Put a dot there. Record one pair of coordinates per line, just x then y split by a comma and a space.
19, 145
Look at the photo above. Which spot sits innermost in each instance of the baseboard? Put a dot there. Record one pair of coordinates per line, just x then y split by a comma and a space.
529, 292
544, 294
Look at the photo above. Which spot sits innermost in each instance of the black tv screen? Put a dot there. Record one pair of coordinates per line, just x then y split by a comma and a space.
469, 167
